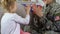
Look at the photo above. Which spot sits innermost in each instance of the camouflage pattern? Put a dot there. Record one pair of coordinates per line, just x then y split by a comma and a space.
39, 25
51, 11
51, 32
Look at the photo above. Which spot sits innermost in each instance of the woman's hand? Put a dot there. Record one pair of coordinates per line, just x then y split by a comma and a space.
37, 10
27, 8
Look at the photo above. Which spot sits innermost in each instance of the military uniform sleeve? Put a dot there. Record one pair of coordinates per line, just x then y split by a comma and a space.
44, 20
57, 14
57, 20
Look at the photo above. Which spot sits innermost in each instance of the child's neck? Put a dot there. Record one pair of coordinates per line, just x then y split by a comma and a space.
10, 12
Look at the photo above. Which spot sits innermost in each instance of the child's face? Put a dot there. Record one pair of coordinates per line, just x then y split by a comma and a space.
13, 7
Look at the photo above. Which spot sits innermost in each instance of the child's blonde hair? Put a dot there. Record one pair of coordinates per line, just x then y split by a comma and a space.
7, 3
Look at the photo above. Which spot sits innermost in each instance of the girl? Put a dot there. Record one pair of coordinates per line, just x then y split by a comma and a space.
10, 22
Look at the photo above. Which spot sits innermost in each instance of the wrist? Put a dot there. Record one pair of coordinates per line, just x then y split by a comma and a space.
27, 13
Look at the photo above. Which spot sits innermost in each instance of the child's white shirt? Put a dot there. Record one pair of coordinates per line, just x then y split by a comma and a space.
10, 23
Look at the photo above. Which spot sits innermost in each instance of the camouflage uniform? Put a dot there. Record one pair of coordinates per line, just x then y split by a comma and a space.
39, 24
51, 11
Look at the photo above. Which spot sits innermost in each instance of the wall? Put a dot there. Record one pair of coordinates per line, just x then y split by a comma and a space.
58, 1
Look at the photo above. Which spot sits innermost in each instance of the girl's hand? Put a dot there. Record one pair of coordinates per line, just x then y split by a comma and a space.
27, 8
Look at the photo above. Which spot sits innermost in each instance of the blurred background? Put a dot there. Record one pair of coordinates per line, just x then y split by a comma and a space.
20, 9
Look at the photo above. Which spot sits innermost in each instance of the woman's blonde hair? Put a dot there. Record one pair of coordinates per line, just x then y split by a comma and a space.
7, 3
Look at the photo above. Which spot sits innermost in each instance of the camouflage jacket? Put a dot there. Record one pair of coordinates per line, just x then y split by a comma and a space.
51, 12
41, 23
